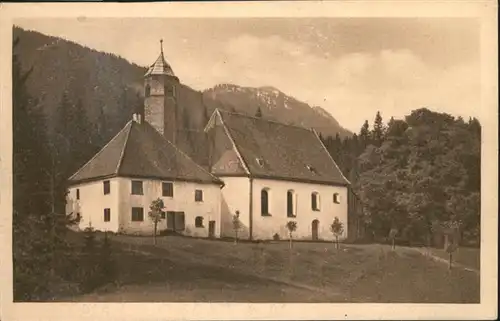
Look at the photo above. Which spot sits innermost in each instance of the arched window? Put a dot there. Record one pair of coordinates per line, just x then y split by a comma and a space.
290, 204
198, 221
336, 198
315, 201
147, 91
264, 202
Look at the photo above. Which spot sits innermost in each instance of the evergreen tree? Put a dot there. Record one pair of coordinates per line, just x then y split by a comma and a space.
82, 148
354, 147
337, 149
364, 135
378, 131
102, 127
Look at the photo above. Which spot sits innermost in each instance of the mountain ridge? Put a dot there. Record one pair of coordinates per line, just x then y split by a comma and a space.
277, 105
110, 88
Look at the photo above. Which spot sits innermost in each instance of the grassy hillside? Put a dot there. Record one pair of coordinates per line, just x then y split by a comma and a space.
181, 269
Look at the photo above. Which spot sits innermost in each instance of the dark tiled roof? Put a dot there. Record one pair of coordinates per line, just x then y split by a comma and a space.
138, 150
274, 150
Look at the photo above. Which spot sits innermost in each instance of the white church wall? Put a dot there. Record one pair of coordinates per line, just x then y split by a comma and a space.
235, 197
183, 200
92, 203
264, 227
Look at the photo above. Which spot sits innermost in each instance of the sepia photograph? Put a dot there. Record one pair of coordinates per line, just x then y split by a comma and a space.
261, 159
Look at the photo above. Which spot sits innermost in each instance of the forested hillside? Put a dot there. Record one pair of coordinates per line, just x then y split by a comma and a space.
418, 175
87, 96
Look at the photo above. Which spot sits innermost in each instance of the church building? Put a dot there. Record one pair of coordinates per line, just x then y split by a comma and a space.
113, 191
267, 172
275, 173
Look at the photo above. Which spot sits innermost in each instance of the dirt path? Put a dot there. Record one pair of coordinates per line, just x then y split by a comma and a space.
424, 252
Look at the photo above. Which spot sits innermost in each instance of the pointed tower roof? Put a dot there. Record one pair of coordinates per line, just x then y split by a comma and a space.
160, 66
138, 150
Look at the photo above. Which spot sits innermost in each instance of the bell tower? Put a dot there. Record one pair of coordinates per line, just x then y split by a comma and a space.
160, 97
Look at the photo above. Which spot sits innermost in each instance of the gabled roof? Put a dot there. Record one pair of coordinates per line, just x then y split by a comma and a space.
269, 149
160, 66
138, 150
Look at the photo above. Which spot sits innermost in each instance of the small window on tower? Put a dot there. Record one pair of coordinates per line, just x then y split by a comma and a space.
169, 91
147, 91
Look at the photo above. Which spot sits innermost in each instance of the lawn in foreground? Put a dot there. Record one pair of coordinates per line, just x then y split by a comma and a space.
181, 269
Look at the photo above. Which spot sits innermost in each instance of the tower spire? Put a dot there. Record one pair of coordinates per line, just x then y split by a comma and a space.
161, 46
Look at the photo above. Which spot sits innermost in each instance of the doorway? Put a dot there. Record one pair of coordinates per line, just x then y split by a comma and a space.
211, 229
175, 221
315, 227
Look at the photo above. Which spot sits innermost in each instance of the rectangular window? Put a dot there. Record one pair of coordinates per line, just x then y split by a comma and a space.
77, 193
107, 215
137, 214
106, 187
198, 195
137, 188
167, 189
162, 215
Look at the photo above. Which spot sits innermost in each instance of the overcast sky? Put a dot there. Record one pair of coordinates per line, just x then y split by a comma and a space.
352, 67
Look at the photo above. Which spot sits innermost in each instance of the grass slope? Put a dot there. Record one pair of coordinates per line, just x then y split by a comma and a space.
181, 269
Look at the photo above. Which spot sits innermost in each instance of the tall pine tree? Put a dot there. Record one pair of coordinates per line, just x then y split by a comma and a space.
364, 135
378, 131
